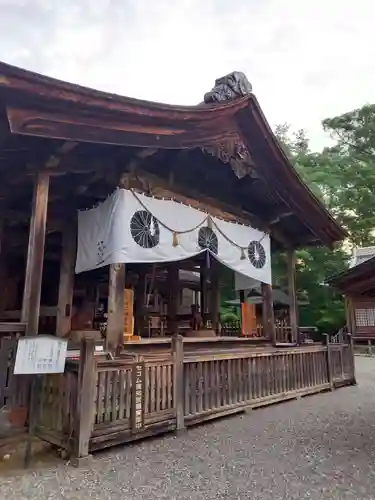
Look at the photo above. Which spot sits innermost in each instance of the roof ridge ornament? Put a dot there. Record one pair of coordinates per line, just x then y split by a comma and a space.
229, 87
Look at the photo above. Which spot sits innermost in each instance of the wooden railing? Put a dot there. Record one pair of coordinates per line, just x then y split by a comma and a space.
283, 333
100, 402
9, 332
218, 384
341, 361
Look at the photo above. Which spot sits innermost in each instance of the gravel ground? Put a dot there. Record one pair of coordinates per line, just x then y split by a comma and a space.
320, 447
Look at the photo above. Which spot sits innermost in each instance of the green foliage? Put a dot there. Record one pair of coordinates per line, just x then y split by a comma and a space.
353, 157
343, 178
229, 317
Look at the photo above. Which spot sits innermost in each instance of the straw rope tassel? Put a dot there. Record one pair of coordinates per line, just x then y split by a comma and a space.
175, 239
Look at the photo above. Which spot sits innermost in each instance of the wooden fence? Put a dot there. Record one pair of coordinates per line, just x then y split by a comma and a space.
101, 402
8, 343
283, 333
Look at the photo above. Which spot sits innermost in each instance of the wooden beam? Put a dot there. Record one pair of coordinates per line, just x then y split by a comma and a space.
55, 159
116, 297
185, 131
173, 287
66, 284
35, 255
159, 187
293, 306
268, 313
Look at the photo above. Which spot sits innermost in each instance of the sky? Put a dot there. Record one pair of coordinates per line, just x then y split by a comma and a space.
306, 59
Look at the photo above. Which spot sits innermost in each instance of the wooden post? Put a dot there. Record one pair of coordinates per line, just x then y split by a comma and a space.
329, 362
215, 296
352, 358
173, 286
66, 284
3, 269
85, 401
242, 301
140, 301
178, 396
268, 314
35, 255
203, 290
293, 307
350, 315
116, 297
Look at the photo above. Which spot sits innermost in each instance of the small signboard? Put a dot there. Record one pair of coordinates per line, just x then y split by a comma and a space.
40, 354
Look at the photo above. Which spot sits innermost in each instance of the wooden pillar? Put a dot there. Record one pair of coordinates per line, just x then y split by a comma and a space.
350, 315
66, 283
140, 300
215, 296
3, 269
173, 287
268, 314
178, 386
203, 294
35, 254
116, 297
85, 402
293, 307
242, 301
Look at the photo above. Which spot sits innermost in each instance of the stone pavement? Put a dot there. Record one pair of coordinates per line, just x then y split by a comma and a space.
320, 447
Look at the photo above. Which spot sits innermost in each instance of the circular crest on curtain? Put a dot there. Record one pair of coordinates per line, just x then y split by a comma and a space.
257, 254
144, 229
208, 239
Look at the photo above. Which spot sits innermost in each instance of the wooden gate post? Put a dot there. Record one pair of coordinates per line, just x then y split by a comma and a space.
85, 402
178, 395
329, 362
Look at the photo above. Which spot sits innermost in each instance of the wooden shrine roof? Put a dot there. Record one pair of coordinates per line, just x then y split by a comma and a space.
358, 280
222, 150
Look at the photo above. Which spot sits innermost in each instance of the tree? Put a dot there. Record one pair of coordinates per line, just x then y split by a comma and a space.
322, 173
354, 151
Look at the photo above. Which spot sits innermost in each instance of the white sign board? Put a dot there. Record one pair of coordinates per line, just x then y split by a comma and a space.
40, 354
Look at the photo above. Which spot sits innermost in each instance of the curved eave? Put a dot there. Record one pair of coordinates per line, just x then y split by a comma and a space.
357, 279
275, 167
42, 106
